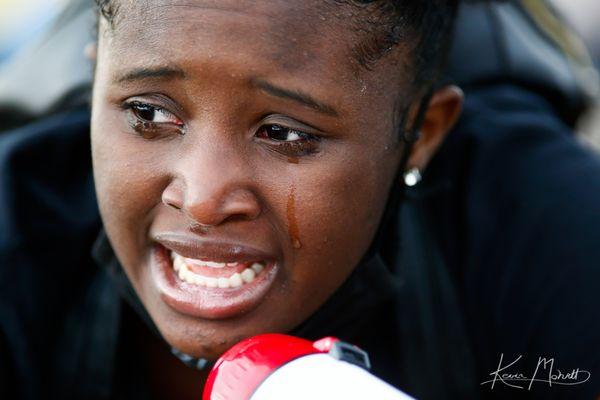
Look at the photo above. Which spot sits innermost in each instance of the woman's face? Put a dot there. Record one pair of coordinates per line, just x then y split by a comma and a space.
242, 161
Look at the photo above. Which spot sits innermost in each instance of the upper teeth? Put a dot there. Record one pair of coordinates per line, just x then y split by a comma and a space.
237, 279
212, 264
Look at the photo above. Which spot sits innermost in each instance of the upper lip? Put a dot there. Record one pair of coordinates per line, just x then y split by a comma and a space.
211, 250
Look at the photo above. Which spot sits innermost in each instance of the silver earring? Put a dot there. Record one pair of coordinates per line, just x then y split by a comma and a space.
412, 177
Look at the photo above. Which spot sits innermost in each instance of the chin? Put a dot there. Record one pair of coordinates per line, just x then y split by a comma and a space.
202, 339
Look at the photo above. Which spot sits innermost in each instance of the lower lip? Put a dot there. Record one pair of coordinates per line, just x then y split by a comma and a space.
204, 302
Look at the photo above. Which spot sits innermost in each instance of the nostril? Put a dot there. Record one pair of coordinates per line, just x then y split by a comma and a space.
172, 197
173, 205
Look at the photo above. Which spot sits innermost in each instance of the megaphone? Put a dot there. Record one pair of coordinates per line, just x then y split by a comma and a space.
282, 367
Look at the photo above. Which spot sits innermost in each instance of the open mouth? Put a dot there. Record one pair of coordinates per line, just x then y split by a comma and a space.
211, 289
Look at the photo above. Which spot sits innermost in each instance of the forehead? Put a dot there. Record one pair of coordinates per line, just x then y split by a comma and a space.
311, 41
290, 34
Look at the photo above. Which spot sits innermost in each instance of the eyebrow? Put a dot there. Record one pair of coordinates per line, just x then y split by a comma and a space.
140, 74
295, 95
168, 73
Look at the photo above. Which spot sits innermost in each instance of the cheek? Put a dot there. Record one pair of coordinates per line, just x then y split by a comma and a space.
337, 214
129, 184
332, 218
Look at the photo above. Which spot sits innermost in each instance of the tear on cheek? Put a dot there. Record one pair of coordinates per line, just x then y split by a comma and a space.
293, 230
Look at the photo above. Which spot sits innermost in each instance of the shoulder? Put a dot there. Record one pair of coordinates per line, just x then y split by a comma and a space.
520, 227
48, 212
526, 174
48, 222
45, 178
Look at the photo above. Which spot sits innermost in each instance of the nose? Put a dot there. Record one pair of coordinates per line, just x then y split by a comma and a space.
210, 191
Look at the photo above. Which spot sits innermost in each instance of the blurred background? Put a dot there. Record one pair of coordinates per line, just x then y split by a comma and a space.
584, 17
23, 22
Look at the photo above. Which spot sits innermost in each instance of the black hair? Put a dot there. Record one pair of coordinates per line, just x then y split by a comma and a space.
388, 23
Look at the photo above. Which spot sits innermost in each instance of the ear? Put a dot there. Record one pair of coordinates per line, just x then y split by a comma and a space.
441, 115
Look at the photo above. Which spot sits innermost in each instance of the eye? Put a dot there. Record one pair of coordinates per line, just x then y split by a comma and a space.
151, 121
153, 114
288, 141
282, 134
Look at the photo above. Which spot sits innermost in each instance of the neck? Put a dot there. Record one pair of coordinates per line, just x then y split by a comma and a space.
168, 377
